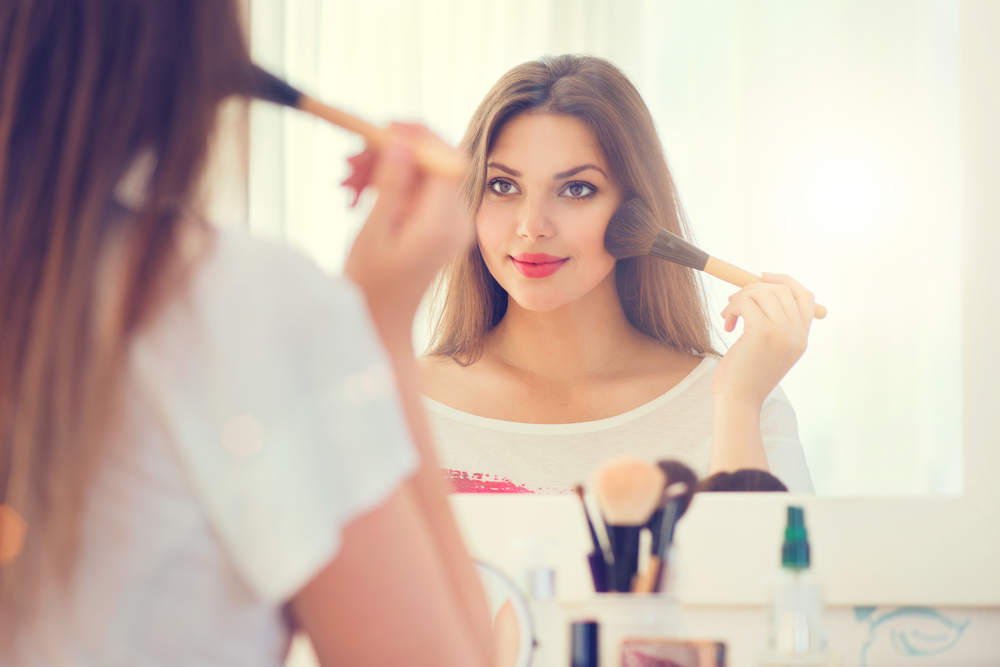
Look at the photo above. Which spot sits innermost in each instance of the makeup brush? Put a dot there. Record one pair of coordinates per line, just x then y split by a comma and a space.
645, 546
649, 580
628, 490
593, 508
596, 559
431, 156
645, 580
676, 473
632, 232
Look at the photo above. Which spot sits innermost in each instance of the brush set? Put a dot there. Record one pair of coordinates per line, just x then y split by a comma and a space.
633, 510
631, 514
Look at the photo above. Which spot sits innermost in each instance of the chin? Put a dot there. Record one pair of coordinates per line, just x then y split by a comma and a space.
540, 303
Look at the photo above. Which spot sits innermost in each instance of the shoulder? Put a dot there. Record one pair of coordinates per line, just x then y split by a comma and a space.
777, 417
659, 367
440, 376
777, 403
247, 283
654, 355
474, 388
257, 309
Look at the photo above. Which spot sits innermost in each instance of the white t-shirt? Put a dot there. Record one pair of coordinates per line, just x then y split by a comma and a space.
481, 455
261, 417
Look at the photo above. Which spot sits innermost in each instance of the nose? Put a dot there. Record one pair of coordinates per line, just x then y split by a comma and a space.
533, 221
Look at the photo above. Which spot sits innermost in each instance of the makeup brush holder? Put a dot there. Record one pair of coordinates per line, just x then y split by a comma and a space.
624, 616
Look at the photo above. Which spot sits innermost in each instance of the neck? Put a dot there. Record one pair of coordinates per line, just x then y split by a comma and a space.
590, 337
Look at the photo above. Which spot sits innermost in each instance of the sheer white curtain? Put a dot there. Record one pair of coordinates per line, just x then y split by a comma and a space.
818, 139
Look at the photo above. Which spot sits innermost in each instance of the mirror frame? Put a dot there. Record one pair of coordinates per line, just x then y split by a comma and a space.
519, 603
870, 551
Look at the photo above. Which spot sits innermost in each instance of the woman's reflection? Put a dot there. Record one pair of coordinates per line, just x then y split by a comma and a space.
550, 356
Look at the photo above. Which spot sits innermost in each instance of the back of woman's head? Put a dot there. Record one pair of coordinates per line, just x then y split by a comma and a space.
86, 86
745, 479
662, 300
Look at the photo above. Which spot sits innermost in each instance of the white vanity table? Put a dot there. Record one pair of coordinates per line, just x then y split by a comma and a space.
888, 585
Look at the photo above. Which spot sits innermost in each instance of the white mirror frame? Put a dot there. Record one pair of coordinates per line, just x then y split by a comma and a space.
942, 551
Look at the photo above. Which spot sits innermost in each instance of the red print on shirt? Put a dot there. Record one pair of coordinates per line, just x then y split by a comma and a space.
477, 482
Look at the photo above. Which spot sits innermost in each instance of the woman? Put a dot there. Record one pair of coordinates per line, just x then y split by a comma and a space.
549, 356
196, 471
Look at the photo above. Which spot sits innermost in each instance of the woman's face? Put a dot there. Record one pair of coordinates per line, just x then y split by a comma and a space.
548, 200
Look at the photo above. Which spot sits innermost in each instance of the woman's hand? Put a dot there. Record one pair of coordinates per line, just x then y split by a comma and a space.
776, 316
417, 225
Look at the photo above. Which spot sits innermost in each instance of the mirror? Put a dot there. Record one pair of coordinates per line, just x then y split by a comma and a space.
815, 139
513, 630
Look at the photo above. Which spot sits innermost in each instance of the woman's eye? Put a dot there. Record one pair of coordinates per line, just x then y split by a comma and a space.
502, 187
579, 190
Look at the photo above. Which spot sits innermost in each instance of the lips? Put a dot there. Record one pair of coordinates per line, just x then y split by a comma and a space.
537, 265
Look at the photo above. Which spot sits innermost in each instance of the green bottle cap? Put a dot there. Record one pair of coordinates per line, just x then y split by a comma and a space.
795, 550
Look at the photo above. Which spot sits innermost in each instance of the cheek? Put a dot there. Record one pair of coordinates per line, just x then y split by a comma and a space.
603, 262
602, 230
482, 224
493, 225
488, 237
599, 262
591, 240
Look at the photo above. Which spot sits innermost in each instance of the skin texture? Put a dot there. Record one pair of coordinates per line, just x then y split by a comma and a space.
402, 589
564, 351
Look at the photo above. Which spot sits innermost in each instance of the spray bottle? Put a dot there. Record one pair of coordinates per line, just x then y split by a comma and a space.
798, 631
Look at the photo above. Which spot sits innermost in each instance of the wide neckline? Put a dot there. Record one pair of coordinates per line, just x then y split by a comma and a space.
575, 427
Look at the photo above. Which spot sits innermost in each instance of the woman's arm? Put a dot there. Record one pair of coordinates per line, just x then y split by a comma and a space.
430, 492
387, 597
736, 437
403, 589
776, 316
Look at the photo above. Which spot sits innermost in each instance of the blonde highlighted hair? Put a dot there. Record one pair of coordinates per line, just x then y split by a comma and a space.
662, 300
85, 88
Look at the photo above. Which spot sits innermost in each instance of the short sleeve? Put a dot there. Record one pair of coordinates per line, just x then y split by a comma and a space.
780, 433
273, 386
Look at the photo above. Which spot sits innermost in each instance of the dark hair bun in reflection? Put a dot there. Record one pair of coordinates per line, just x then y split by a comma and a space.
742, 480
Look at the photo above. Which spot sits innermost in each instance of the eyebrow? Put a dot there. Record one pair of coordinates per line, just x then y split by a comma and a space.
497, 165
576, 170
562, 174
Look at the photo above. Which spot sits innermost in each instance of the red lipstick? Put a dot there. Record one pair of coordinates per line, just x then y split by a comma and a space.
537, 264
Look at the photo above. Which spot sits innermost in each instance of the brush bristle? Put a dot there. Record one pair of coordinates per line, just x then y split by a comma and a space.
631, 230
266, 86
629, 491
675, 472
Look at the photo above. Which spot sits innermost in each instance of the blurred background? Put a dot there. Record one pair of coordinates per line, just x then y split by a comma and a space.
818, 139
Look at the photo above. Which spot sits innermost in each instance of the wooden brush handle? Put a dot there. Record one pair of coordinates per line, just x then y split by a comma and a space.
734, 275
645, 582
433, 157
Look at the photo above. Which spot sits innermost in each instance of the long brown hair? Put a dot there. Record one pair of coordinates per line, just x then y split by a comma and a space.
86, 86
662, 300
